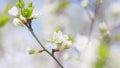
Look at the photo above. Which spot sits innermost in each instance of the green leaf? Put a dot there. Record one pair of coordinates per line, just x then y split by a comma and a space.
103, 51
20, 4
26, 12
102, 55
99, 64
70, 38
59, 43
3, 20
30, 4
66, 47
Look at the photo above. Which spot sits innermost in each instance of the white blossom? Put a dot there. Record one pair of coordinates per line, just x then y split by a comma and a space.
103, 26
60, 40
68, 43
57, 37
35, 13
23, 19
16, 21
50, 46
13, 11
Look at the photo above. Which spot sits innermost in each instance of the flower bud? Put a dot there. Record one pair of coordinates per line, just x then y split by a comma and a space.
31, 51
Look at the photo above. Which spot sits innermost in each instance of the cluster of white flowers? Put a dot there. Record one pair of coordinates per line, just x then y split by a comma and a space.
104, 32
59, 40
14, 12
103, 28
19, 19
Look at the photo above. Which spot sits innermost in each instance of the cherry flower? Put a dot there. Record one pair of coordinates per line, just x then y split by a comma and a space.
13, 11
57, 37
17, 21
23, 19
103, 26
59, 40
51, 46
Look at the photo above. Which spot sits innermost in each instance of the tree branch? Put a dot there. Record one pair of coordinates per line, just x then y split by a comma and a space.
97, 6
33, 34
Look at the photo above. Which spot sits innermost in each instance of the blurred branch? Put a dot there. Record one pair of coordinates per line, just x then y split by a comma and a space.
97, 6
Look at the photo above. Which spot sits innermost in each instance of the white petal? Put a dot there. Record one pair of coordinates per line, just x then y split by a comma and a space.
69, 43
22, 18
35, 13
13, 11
51, 46
103, 26
16, 21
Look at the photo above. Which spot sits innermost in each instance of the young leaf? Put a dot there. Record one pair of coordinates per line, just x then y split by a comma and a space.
26, 12
70, 38
3, 20
20, 4
30, 4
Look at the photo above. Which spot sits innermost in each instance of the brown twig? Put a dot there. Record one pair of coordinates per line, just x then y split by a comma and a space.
28, 25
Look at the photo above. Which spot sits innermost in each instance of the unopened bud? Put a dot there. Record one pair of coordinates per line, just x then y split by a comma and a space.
31, 51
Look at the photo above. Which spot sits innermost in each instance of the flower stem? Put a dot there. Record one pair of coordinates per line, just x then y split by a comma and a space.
33, 34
